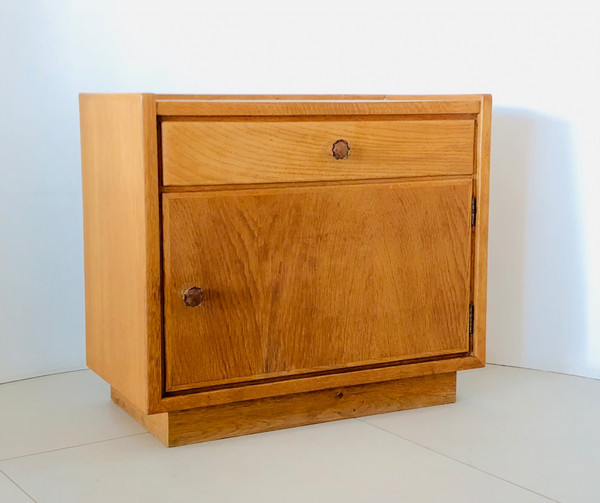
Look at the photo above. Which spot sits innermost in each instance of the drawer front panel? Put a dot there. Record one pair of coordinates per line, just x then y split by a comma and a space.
309, 279
246, 151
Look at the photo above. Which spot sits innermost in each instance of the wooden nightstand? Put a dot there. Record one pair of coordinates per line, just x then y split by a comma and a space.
260, 262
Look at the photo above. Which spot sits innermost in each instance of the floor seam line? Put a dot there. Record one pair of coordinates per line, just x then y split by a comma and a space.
540, 370
487, 364
44, 375
459, 461
20, 488
72, 447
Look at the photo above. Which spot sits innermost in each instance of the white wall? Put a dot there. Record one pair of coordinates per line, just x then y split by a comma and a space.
541, 65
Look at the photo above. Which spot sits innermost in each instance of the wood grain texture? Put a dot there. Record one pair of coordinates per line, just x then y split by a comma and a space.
278, 107
157, 424
300, 280
207, 152
120, 181
321, 97
121, 241
316, 382
482, 189
255, 416
323, 183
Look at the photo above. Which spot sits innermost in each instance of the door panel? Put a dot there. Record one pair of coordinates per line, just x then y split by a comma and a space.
309, 279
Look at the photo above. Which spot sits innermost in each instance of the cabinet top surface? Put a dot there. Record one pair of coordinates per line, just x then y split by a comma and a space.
304, 97
245, 105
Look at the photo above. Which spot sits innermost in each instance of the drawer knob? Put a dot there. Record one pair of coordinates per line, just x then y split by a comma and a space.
340, 149
193, 296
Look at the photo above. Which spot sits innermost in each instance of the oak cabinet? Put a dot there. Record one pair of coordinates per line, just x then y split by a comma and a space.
259, 262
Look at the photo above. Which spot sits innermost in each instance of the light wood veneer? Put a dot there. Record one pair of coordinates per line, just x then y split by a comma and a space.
327, 287
209, 152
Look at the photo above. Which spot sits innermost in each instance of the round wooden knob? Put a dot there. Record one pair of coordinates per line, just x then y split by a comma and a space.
193, 296
340, 149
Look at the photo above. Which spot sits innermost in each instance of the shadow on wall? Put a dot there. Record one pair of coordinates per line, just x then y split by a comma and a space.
536, 283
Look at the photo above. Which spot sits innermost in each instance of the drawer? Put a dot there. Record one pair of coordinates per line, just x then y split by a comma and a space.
248, 151
294, 280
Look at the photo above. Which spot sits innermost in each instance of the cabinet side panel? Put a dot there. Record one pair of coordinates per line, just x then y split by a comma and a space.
482, 178
119, 215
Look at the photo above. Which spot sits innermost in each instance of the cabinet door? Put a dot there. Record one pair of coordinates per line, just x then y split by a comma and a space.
300, 280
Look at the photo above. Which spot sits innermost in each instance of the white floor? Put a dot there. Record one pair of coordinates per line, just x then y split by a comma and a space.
513, 436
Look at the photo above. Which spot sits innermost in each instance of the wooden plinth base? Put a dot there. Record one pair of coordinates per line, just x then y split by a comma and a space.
255, 416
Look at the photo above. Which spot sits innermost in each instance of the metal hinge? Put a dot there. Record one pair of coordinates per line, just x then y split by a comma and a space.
473, 211
471, 318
